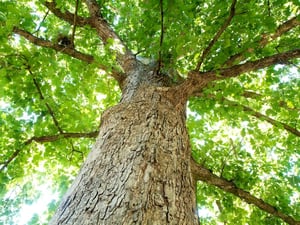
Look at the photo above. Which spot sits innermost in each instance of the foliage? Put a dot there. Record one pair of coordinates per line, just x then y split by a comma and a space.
45, 94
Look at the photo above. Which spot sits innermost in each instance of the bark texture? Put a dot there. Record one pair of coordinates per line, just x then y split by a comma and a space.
139, 169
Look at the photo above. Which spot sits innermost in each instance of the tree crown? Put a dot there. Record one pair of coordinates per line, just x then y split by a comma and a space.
63, 63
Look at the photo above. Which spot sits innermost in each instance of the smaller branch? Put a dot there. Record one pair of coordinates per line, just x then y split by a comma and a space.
258, 114
97, 21
161, 36
269, 8
36, 84
125, 57
50, 138
254, 95
48, 44
66, 15
283, 104
217, 36
203, 174
283, 28
47, 105
265, 39
251, 94
280, 58
296, 66
225, 159
11, 158
68, 50
74, 23
198, 80
105, 32
265, 118
94, 8
44, 18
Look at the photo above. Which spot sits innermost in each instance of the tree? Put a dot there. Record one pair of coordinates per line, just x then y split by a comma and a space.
199, 102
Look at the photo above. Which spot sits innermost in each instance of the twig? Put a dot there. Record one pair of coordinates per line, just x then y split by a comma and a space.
74, 150
46, 103
74, 23
11, 158
161, 36
38, 29
50, 138
218, 34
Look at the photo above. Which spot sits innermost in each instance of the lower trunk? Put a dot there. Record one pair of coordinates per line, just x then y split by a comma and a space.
139, 169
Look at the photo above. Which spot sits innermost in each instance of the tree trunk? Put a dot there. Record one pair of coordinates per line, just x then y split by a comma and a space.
138, 172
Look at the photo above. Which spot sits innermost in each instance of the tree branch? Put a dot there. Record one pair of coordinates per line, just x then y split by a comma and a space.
258, 114
74, 23
97, 21
203, 174
217, 36
265, 118
51, 112
67, 16
251, 94
125, 57
50, 138
11, 158
198, 80
254, 95
68, 50
265, 39
48, 44
283, 28
47, 105
161, 35
280, 58
40, 24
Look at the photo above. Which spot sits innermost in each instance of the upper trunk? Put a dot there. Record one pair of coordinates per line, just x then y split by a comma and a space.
138, 172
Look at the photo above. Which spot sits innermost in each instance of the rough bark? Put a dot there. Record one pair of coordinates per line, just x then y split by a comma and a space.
139, 169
